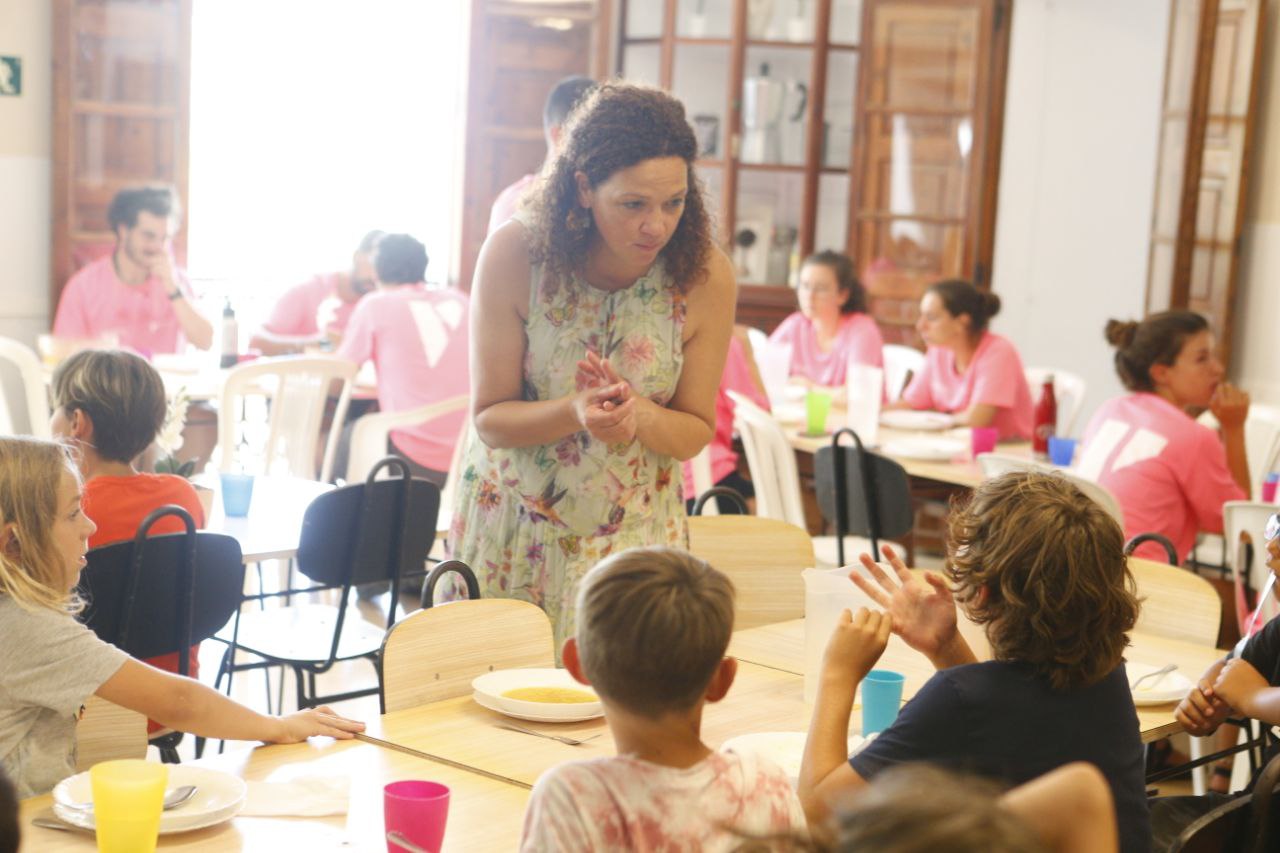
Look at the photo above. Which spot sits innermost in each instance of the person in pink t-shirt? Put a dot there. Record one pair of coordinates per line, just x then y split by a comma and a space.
968, 371
1169, 473
832, 326
555, 112
137, 294
652, 631
295, 321
417, 338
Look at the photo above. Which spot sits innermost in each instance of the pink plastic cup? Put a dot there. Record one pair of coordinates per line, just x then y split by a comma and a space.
418, 811
984, 439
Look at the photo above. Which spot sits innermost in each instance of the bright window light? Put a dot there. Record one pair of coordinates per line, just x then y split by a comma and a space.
312, 122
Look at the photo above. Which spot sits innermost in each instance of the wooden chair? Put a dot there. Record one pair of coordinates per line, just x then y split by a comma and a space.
763, 557
1247, 824
107, 732
35, 399
435, 653
369, 435
1177, 604
296, 392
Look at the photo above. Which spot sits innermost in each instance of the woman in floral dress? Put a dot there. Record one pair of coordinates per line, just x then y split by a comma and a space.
600, 320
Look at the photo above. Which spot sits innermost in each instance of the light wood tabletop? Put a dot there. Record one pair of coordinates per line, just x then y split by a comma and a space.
781, 647
483, 814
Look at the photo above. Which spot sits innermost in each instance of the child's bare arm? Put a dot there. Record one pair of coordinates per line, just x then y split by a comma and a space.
923, 611
855, 646
1244, 688
1069, 808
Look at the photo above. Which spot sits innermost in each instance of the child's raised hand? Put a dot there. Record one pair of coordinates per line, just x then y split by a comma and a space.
855, 646
1237, 685
923, 610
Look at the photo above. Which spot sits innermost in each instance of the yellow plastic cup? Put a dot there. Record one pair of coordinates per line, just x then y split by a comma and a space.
128, 796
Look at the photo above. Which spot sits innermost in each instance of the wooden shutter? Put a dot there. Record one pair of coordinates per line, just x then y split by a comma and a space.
930, 118
121, 83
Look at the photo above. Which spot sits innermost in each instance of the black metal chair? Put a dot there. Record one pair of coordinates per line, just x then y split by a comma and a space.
376, 531
1163, 541
729, 501
159, 595
446, 567
867, 494
1246, 824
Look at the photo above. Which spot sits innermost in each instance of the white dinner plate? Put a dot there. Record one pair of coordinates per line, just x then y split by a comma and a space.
909, 419
785, 749
1170, 687
219, 797
926, 448
490, 687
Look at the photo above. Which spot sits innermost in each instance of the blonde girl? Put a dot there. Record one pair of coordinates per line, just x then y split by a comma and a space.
52, 663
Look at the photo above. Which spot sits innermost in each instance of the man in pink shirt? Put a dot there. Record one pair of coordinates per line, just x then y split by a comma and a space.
318, 309
137, 293
417, 338
555, 111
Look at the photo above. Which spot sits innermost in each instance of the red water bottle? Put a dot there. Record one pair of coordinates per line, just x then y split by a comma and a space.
1046, 418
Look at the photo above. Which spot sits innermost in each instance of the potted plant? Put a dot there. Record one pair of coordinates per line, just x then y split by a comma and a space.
170, 442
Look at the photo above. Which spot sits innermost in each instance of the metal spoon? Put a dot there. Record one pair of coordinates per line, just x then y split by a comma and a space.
172, 799
1164, 670
399, 840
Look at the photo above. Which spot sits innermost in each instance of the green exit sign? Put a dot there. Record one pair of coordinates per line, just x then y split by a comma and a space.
10, 75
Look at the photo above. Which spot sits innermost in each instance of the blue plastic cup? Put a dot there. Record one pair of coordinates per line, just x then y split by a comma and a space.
237, 493
881, 698
1062, 450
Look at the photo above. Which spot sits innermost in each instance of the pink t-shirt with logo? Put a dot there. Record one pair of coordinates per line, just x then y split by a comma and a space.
736, 377
417, 339
508, 202
624, 803
96, 302
1168, 472
296, 311
994, 378
857, 338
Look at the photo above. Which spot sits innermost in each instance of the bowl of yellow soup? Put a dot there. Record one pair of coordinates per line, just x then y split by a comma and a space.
542, 695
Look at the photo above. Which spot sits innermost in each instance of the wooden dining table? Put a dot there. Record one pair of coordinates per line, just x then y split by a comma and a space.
273, 527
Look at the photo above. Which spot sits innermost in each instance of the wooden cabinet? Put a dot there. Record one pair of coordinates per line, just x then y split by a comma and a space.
871, 126
1205, 142
121, 83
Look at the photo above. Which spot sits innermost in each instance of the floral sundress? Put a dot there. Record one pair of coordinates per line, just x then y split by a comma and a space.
530, 521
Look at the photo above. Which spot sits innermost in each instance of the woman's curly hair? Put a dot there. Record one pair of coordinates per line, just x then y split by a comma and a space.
615, 127
1060, 595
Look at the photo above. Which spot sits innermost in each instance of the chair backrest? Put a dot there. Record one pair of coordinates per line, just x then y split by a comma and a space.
1261, 441
34, 397
293, 393
995, 464
1242, 523
350, 535
763, 557
369, 434
1069, 390
900, 363
152, 625
700, 471
1246, 823
1177, 604
771, 460
107, 732
757, 338
434, 654
888, 502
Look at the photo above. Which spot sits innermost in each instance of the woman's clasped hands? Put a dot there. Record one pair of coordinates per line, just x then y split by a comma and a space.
605, 405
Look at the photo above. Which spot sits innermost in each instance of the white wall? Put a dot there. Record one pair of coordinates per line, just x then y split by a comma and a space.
1077, 178
25, 143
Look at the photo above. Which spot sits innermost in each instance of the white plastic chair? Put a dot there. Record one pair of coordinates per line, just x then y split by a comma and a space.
776, 479
1068, 389
1262, 449
757, 338
1238, 519
296, 391
995, 464
899, 363
35, 399
700, 470
369, 435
